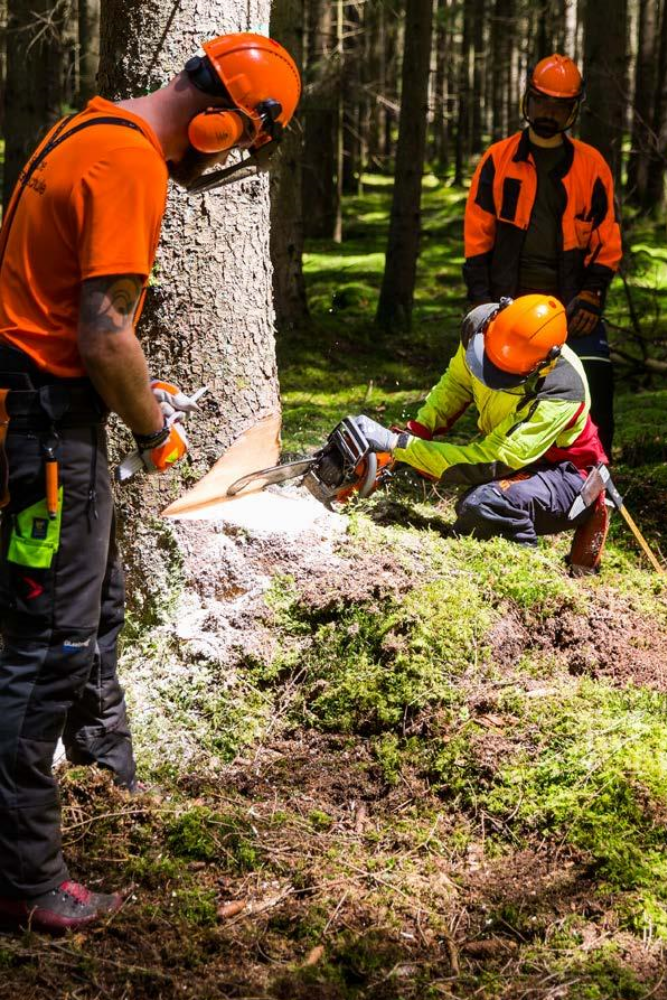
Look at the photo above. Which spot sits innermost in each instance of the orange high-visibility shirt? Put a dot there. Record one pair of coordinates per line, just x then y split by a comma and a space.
94, 207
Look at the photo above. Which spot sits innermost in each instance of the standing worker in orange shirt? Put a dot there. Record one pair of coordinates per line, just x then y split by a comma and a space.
76, 249
540, 218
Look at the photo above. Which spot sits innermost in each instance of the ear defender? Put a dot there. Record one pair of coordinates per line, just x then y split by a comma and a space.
216, 130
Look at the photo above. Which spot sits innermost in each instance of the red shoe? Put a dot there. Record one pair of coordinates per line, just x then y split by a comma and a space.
68, 907
588, 541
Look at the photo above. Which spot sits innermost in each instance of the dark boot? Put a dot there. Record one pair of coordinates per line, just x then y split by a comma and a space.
68, 907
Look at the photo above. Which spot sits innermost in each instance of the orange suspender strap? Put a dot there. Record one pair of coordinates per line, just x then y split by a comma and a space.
4, 468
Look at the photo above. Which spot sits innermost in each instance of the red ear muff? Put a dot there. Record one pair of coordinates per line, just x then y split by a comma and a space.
215, 130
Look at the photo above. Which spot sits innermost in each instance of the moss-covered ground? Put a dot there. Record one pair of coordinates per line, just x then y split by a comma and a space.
443, 770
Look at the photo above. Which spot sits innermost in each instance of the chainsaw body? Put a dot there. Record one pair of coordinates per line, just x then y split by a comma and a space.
345, 466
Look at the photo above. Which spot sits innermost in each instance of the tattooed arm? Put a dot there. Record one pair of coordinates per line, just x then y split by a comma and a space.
111, 353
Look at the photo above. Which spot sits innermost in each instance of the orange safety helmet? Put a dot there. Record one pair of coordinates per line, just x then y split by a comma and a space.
258, 78
556, 77
507, 343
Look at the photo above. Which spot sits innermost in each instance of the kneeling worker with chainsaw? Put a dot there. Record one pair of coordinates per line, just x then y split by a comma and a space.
76, 249
538, 440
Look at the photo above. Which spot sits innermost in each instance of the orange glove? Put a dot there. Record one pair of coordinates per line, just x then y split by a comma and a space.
583, 313
160, 451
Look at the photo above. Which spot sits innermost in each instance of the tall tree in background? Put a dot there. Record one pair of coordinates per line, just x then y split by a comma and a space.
603, 115
89, 48
33, 90
398, 282
655, 182
289, 290
209, 315
320, 114
644, 95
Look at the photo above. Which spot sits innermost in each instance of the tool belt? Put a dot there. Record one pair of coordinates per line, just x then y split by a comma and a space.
32, 401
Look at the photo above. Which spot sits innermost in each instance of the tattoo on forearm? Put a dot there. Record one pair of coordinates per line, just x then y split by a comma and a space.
108, 304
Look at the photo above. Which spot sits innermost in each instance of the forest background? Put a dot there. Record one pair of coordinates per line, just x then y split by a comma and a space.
393, 764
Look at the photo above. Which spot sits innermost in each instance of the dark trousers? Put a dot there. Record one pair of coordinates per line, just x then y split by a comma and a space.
593, 352
530, 503
58, 665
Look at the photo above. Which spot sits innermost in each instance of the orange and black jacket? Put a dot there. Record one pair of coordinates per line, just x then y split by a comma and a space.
498, 211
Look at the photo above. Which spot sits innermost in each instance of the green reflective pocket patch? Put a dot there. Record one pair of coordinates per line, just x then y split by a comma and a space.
35, 538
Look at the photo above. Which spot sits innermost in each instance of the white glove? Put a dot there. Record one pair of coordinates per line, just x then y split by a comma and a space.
171, 399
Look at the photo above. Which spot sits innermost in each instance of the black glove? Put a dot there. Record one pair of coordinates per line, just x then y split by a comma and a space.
583, 313
378, 437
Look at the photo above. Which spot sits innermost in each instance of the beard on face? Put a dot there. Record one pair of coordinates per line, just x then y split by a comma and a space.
546, 128
193, 165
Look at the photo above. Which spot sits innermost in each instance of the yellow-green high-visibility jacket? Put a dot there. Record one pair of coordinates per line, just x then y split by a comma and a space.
547, 419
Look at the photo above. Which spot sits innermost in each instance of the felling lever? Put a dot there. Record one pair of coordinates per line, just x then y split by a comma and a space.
599, 482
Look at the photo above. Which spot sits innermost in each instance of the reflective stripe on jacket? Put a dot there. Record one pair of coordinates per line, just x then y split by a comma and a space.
547, 419
498, 211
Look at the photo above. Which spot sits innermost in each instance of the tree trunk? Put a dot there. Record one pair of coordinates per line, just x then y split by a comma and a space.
464, 127
606, 71
289, 290
89, 48
644, 96
655, 182
440, 118
478, 90
33, 89
320, 123
209, 316
397, 292
501, 56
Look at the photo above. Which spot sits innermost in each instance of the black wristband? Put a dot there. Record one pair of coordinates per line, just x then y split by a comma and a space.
403, 440
147, 441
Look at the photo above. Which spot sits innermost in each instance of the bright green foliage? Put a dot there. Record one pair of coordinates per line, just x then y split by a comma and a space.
371, 668
203, 835
591, 770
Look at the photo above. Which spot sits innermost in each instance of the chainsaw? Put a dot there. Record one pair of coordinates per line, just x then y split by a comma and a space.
345, 466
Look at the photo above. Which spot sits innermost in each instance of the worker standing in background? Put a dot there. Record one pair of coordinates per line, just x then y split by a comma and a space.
540, 218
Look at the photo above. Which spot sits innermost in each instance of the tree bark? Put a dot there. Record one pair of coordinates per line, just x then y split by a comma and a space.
478, 90
655, 182
33, 91
89, 48
397, 292
606, 72
289, 290
209, 315
501, 56
644, 96
464, 125
320, 122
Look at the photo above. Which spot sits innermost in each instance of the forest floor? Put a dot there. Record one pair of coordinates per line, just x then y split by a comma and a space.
385, 762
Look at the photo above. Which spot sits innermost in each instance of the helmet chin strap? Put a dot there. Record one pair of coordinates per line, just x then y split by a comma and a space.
256, 163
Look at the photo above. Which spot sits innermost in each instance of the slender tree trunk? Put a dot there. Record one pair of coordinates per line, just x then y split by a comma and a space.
655, 182
289, 289
644, 96
209, 315
320, 125
89, 48
478, 90
606, 72
464, 126
501, 54
33, 92
440, 118
397, 292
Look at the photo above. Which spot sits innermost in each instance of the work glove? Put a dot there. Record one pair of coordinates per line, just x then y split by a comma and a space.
377, 436
158, 452
583, 313
171, 399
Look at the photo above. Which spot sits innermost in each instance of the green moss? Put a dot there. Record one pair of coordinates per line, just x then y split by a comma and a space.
203, 835
596, 779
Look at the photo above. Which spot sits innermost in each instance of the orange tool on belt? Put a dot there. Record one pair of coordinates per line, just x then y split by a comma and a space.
51, 472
